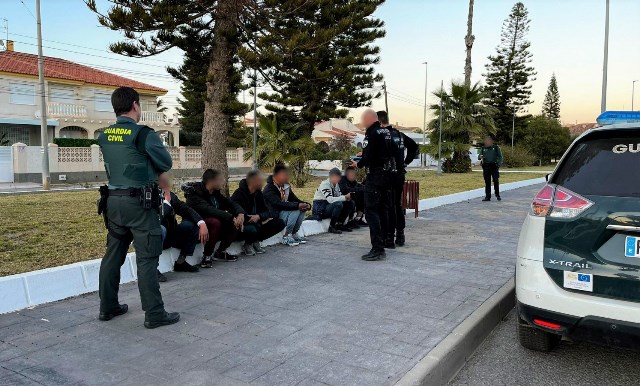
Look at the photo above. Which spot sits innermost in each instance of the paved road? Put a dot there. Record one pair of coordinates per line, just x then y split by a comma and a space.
502, 361
310, 315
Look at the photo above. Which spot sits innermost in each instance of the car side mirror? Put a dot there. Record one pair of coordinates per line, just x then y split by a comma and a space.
546, 177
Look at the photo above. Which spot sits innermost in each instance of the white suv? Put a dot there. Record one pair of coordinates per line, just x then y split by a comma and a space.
578, 263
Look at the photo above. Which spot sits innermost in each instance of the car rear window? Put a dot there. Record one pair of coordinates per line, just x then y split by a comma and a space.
603, 165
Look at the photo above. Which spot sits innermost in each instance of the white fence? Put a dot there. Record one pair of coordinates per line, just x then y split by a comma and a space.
28, 159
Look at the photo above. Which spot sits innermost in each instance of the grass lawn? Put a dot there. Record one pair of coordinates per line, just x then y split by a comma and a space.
51, 229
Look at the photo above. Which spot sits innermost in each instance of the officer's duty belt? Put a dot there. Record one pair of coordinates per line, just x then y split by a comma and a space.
134, 192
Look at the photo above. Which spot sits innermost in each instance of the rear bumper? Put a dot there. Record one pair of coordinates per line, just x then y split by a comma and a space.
588, 328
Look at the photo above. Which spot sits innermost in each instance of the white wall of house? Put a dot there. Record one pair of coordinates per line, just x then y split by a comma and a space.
75, 106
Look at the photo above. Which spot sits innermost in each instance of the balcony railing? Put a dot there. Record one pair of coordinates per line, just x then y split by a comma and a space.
152, 117
66, 110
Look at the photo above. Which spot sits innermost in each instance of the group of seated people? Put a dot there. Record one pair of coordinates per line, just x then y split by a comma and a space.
256, 211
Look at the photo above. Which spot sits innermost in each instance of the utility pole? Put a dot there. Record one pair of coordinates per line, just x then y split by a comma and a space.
439, 172
603, 102
633, 92
255, 119
513, 127
424, 117
386, 103
44, 136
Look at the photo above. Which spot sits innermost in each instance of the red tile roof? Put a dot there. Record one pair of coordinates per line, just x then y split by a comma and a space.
55, 68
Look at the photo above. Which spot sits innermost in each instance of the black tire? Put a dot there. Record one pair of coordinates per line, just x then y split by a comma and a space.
535, 339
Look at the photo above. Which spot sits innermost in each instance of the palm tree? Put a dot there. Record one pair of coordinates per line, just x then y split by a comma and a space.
464, 118
283, 143
468, 42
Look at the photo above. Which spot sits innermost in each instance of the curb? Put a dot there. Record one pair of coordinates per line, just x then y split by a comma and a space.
442, 363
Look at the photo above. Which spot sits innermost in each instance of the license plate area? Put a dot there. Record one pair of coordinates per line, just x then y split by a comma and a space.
632, 246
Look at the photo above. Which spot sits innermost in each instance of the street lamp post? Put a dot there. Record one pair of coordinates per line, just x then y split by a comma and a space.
44, 135
439, 172
255, 119
513, 127
424, 117
603, 100
633, 91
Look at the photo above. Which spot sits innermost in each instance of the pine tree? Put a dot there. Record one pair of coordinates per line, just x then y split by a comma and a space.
329, 67
551, 104
509, 72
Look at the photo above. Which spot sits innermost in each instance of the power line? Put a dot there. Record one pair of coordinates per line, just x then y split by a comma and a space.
404, 94
28, 10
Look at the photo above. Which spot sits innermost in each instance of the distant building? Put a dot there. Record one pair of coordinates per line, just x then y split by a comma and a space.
580, 128
328, 130
78, 100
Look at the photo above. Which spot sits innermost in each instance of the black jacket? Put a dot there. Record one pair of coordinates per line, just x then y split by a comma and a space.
169, 212
252, 203
377, 148
201, 201
273, 199
403, 142
347, 186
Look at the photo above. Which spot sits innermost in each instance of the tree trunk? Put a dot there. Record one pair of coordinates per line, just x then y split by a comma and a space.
217, 122
468, 41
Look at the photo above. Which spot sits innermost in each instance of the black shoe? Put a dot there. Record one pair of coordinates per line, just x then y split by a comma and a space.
498, 198
362, 223
335, 231
486, 199
389, 244
343, 228
184, 267
400, 239
161, 278
121, 310
167, 319
374, 255
224, 256
353, 224
207, 261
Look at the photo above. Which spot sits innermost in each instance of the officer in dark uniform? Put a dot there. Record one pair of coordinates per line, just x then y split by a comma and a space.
378, 158
134, 156
491, 158
406, 150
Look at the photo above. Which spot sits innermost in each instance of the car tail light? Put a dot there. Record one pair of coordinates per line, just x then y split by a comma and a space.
558, 202
543, 323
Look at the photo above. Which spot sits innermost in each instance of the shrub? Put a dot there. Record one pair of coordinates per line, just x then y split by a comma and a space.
74, 142
459, 163
517, 157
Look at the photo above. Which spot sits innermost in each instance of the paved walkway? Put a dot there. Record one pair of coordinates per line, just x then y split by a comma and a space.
310, 315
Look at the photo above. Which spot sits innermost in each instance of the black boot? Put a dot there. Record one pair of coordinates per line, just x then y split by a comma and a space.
121, 310
486, 199
389, 244
400, 238
374, 255
164, 320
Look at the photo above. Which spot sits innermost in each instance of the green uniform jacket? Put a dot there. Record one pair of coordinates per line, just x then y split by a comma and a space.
491, 154
133, 155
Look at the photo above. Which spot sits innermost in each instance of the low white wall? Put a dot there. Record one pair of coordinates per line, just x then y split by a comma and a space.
52, 284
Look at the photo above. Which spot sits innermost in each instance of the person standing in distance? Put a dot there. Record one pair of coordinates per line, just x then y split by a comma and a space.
134, 157
490, 156
406, 150
378, 158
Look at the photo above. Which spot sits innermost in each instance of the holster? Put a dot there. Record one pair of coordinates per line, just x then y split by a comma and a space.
102, 204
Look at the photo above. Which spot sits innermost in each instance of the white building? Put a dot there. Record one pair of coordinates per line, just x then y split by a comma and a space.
78, 100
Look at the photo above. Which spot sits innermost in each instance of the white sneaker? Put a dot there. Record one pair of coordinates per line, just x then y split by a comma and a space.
299, 239
290, 241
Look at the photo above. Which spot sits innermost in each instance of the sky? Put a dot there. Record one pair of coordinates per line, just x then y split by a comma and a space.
567, 38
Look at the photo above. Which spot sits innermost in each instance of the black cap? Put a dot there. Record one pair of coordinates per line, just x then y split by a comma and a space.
335, 172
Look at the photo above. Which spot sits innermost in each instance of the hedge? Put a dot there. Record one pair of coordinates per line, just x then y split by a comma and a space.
74, 142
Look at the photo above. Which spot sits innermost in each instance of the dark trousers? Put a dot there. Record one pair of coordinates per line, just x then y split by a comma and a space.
358, 200
128, 221
489, 171
396, 212
185, 238
376, 203
223, 231
260, 232
337, 211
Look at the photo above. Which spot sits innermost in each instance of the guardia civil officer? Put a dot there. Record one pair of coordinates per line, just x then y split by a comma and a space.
134, 156
490, 156
378, 158
406, 150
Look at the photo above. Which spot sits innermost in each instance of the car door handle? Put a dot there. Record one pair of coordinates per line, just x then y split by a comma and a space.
623, 228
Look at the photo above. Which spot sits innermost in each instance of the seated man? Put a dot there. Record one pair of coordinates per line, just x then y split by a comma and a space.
329, 202
223, 217
259, 224
184, 236
349, 184
280, 199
